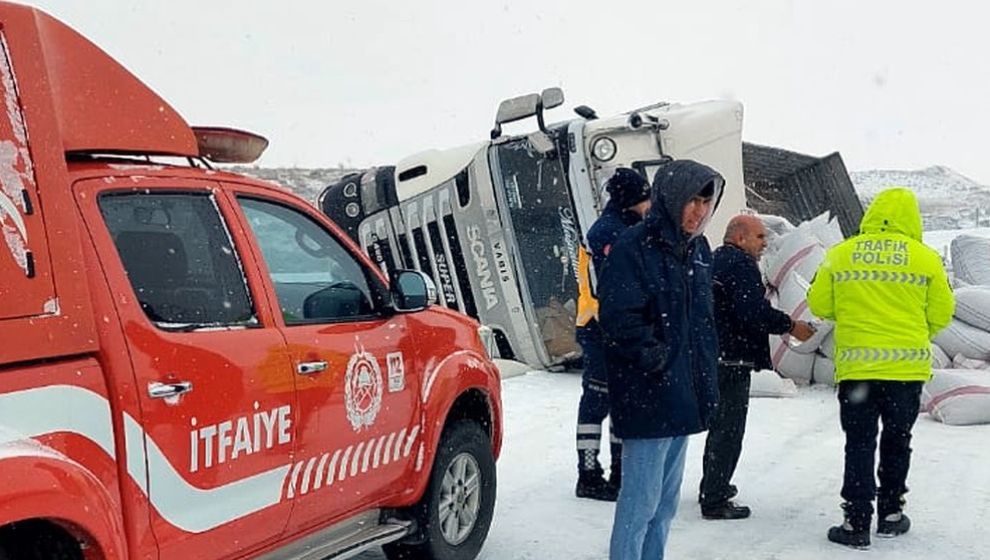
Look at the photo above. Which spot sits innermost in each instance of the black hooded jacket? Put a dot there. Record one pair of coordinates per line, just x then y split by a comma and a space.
657, 316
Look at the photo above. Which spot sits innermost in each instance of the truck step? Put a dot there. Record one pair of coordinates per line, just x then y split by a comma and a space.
344, 540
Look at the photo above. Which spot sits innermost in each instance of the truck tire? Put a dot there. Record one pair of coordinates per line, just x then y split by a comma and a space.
455, 512
37, 540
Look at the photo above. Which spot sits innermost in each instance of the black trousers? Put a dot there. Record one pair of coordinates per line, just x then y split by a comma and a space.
725, 435
593, 408
861, 404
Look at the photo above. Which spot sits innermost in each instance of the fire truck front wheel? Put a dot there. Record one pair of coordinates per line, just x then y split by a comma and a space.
456, 511
37, 540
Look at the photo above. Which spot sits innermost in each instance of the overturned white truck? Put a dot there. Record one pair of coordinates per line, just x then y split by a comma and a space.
497, 224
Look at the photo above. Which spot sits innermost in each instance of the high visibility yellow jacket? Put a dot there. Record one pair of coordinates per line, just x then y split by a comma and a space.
887, 293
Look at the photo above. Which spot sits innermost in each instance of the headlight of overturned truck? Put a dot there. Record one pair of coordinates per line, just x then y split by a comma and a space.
603, 148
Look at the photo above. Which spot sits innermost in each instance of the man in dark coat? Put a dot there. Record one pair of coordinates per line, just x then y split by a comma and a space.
744, 319
661, 349
629, 199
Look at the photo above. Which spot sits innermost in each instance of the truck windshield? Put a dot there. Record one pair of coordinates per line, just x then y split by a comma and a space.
541, 217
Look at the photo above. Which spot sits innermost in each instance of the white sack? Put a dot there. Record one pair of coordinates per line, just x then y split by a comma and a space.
828, 345
795, 252
767, 383
823, 371
792, 296
940, 360
776, 225
789, 363
965, 339
823, 331
791, 300
826, 231
971, 259
973, 306
958, 397
962, 362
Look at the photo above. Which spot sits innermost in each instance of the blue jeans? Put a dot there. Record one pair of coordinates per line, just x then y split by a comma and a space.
652, 470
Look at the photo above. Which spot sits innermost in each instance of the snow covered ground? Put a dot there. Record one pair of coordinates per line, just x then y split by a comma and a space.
790, 474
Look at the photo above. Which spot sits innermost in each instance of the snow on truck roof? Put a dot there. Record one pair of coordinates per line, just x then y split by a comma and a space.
97, 105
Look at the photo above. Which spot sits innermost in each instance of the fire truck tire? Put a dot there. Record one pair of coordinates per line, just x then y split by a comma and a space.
37, 541
455, 513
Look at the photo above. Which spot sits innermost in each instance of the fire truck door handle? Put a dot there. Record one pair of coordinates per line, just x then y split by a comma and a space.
309, 368
166, 390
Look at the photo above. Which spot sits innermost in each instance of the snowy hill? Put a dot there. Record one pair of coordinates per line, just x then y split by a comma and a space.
948, 199
307, 183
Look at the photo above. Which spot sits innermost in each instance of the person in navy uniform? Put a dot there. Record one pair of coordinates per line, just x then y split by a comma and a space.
629, 200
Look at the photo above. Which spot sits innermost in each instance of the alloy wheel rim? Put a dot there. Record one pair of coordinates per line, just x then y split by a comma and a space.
460, 499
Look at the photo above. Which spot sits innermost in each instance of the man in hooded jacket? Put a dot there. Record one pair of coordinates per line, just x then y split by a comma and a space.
889, 296
655, 310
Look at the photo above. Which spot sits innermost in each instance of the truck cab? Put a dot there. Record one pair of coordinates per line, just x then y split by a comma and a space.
498, 225
197, 364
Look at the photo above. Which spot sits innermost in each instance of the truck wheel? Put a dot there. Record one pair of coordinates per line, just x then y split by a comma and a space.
456, 511
37, 540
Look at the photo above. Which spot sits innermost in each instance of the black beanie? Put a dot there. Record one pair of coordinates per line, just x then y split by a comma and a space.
627, 188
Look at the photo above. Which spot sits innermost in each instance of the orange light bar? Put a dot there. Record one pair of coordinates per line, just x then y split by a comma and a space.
228, 145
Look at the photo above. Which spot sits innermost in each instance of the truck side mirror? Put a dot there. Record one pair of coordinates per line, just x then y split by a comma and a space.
552, 97
411, 291
515, 109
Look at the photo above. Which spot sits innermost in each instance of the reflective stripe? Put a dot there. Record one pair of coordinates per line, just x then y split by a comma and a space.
595, 429
596, 387
585, 444
884, 355
587, 305
881, 276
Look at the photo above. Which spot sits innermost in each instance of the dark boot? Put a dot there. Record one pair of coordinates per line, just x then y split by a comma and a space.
725, 510
850, 536
591, 484
615, 477
893, 524
733, 492
855, 530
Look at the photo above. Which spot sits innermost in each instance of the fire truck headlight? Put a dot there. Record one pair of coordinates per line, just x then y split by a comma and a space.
603, 148
487, 337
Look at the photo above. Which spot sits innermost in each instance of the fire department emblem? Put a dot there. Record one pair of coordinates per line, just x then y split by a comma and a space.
362, 389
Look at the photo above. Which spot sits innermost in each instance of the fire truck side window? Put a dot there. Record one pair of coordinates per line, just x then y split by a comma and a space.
179, 259
316, 279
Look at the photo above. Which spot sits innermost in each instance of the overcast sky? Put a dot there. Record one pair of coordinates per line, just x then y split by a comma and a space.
888, 84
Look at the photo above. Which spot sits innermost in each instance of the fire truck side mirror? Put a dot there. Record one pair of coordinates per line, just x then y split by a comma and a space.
412, 291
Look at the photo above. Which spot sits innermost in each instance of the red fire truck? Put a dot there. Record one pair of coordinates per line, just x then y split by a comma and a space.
195, 364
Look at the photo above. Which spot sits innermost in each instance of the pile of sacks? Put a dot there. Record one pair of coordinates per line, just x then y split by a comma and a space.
789, 264
959, 391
